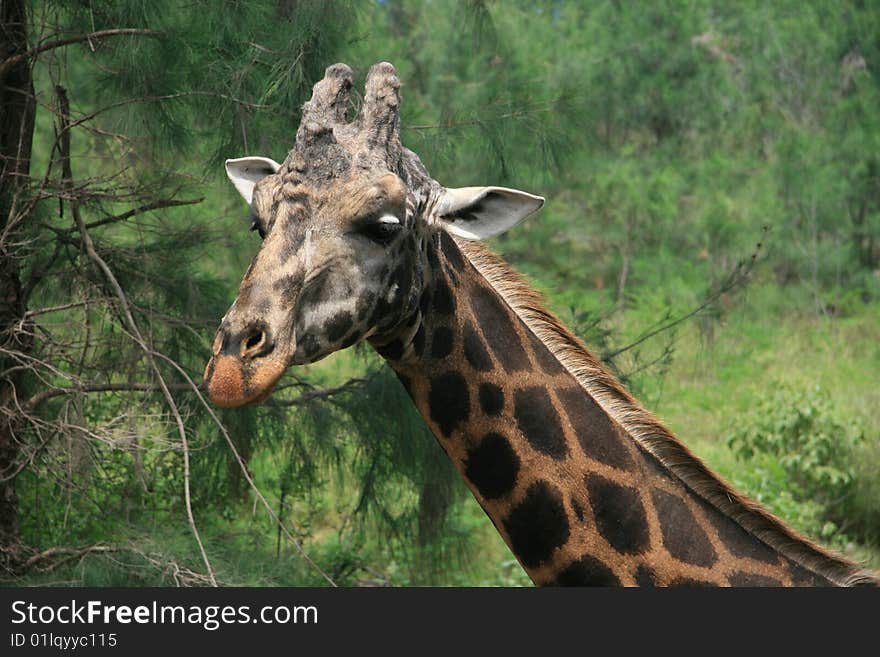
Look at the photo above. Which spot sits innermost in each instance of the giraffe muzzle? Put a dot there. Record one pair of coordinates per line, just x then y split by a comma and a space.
244, 367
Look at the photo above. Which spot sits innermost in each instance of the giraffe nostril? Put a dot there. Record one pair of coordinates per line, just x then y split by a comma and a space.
256, 344
253, 341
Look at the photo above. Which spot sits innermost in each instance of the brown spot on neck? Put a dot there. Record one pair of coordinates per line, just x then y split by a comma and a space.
544, 459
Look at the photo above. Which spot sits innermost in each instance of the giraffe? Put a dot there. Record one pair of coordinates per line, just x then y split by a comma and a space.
586, 487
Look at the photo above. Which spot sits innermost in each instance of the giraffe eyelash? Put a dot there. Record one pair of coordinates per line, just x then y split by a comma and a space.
381, 230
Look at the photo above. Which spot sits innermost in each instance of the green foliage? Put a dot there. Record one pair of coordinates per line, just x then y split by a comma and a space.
218, 80
809, 455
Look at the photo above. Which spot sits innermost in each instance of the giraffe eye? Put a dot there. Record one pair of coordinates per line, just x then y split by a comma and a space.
257, 226
382, 230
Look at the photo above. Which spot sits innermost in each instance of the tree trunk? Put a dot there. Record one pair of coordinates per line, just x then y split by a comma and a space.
17, 108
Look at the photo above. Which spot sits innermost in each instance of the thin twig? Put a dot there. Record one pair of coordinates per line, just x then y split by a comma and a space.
736, 277
66, 552
52, 309
156, 205
45, 395
129, 320
323, 393
9, 62
244, 469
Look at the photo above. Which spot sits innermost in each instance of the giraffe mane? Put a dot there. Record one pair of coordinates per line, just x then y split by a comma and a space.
649, 432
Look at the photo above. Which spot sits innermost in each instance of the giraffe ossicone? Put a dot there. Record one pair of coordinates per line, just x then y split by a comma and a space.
584, 485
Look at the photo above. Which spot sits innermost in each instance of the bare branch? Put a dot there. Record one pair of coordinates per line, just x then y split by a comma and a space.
244, 469
322, 393
45, 395
10, 62
738, 276
67, 553
156, 205
136, 334
52, 309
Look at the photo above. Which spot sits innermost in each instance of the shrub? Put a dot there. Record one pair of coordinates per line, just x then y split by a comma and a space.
808, 457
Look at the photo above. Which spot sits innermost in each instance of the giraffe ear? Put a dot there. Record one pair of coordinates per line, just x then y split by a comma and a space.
246, 172
477, 213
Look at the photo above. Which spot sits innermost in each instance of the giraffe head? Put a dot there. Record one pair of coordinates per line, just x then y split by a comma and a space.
344, 222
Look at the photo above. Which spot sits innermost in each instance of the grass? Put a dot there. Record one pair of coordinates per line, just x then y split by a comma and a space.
711, 388
708, 387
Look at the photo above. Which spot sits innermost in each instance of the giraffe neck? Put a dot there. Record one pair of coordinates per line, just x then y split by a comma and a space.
575, 497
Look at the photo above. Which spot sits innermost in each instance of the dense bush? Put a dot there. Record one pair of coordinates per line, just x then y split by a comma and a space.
807, 461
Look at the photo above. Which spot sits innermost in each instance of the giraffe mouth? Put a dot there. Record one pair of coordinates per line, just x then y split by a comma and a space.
230, 382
